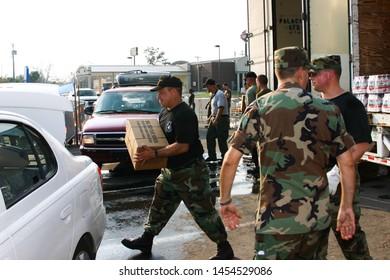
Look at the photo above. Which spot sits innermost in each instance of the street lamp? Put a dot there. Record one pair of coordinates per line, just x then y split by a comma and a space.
219, 62
14, 52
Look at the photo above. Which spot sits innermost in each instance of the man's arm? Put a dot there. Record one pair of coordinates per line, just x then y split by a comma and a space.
346, 217
229, 213
219, 114
168, 151
358, 150
243, 103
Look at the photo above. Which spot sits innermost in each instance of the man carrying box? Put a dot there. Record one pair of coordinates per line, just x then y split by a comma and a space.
186, 177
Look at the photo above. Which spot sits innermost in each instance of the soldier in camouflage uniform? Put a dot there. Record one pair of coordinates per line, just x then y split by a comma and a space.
296, 135
325, 79
186, 177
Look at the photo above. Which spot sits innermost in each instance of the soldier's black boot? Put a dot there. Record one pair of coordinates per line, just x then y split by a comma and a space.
224, 252
143, 243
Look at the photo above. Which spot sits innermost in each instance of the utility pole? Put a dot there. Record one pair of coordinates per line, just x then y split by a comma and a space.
14, 52
219, 63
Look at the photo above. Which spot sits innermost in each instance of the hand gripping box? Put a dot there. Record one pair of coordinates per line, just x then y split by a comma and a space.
148, 132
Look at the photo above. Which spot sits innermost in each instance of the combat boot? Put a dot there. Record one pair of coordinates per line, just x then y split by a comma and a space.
224, 252
143, 243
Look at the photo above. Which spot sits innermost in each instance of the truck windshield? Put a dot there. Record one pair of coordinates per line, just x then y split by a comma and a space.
128, 101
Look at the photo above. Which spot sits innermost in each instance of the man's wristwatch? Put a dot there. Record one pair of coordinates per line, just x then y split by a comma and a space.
156, 153
224, 203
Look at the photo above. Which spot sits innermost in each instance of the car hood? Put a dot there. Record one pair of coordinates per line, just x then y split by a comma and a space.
112, 122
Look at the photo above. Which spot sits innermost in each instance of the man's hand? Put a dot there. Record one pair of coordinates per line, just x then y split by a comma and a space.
346, 223
145, 154
230, 215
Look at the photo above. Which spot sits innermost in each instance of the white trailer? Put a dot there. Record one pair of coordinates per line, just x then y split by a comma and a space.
356, 30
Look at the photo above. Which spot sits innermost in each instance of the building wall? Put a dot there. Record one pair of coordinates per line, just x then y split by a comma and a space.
202, 71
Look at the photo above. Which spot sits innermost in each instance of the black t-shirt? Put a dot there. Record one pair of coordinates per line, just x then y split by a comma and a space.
355, 117
181, 125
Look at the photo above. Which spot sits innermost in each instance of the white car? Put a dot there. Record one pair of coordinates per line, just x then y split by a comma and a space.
51, 202
87, 96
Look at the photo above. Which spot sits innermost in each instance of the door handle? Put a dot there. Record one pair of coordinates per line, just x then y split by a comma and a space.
66, 212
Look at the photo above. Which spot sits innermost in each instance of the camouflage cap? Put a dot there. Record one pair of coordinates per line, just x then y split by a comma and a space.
326, 62
291, 57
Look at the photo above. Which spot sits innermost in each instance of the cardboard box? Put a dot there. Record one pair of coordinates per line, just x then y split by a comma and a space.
148, 132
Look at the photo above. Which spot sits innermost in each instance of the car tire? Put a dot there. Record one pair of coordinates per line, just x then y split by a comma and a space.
83, 252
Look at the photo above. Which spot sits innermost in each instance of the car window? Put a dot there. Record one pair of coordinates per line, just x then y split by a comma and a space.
128, 102
26, 161
87, 92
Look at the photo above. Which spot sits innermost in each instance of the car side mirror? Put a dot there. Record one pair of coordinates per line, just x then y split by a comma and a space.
88, 110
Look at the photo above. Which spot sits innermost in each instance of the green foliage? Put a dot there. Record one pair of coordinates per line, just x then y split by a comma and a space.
36, 77
154, 56
18, 79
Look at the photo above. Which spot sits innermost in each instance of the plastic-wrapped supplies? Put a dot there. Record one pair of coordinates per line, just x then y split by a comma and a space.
373, 91
386, 97
374, 97
359, 89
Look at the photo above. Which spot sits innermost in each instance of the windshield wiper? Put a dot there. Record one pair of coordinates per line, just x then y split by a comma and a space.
106, 112
139, 111
126, 111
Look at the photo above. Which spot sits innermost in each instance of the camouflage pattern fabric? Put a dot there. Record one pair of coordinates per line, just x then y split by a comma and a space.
326, 62
355, 248
289, 246
190, 185
290, 57
297, 134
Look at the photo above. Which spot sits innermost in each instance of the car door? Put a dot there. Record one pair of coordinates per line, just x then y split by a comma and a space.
7, 250
38, 215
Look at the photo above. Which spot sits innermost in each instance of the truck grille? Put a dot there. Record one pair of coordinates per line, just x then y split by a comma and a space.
111, 139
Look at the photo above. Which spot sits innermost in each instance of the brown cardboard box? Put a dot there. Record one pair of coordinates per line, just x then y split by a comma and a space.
148, 132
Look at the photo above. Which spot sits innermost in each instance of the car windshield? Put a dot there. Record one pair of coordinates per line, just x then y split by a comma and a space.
87, 92
127, 102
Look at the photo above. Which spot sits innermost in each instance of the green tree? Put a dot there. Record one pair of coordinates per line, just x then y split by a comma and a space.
18, 79
36, 77
154, 56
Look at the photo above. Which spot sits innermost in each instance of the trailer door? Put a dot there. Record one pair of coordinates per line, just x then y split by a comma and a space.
329, 33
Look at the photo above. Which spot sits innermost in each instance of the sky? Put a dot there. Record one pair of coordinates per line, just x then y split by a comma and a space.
56, 37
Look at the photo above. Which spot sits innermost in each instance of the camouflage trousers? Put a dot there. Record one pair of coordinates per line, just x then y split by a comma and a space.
288, 246
355, 248
190, 185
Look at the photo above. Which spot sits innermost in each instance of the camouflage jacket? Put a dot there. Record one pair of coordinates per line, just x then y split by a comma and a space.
296, 134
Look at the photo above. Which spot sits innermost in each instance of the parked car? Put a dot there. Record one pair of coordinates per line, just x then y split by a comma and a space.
87, 96
103, 134
51, 202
